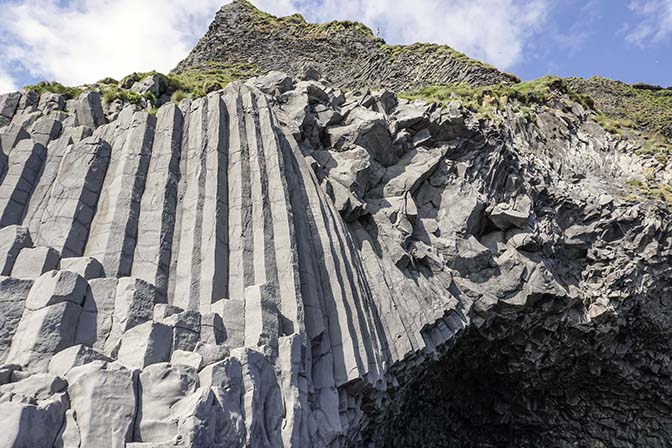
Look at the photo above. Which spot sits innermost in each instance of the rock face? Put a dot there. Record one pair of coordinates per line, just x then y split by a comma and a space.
348, 53
281, 263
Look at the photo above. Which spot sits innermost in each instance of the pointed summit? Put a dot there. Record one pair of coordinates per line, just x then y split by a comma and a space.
348, 53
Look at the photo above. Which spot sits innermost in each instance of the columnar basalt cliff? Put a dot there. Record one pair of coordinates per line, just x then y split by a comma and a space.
289, 262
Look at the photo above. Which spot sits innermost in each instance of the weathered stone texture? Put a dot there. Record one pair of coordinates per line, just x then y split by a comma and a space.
283, 263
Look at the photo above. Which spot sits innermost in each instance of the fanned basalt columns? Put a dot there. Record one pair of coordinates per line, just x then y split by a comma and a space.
288, 263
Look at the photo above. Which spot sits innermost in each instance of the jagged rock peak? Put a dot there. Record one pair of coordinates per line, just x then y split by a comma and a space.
348, 53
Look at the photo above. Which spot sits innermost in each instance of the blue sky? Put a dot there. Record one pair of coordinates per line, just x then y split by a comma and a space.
618, 39
79, 41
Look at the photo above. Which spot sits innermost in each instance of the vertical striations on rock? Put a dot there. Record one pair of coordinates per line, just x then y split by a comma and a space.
282, 263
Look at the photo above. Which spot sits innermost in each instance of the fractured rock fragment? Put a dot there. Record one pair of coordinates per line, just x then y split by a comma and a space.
103, 399
49, 321
145, 344
33, 262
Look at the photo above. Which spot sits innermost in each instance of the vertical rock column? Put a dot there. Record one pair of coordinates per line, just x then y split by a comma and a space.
8, 105
202, 265
263, 260
55, 152
73, 197
345, 343
114, 228
25, 162
241, 250
284, 246
157, 216
187, 268
13, 294
261, 232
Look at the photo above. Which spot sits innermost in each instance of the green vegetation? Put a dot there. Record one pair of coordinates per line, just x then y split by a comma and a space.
211, 77
651, 189
643, 107
486, 99
195, 83
655, 145
662, 192
640, 110
112, 93
635, 183
297, 25
55, 87
650, 109
190, 84
394, 52
613, 125
108, 80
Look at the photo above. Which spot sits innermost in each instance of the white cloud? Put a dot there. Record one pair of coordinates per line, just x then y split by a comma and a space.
90, 39
7, 82
496, 31
655, 23
79, 41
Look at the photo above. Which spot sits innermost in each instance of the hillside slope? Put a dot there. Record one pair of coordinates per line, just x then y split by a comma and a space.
347, 52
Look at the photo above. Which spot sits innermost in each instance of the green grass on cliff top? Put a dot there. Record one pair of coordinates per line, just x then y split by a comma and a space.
538, 91
394, 52
296, 23
644, 107
55, 87
189, 84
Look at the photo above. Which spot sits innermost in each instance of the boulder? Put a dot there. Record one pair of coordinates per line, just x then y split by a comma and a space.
273, 83
13, 295
95, 323
186, 329
55, 287
191, 359
411, 116
506, 217
87, 267
8, 104
211, 353
162, 386
89, 110
367, 129
33, 262
149, 84
23, 169
51, 102
37, 387
133, 305
103, 399
72, 357
145, 344
42, 333
12, 240
32, 424
10, 138
46, 130
350, 168
49, 321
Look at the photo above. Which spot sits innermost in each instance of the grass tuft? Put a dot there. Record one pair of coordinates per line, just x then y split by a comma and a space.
486, 99
55, 87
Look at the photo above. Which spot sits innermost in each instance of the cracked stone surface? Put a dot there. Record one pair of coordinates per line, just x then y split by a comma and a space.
285, 263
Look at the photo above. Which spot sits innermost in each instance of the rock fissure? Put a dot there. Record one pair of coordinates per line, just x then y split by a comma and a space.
300, 261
